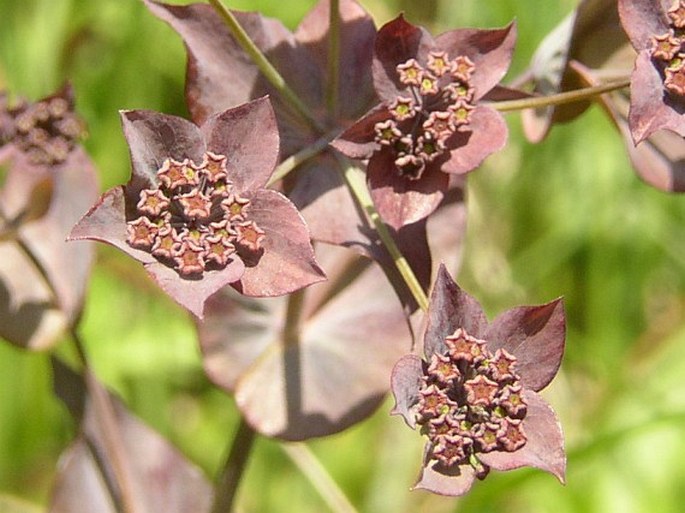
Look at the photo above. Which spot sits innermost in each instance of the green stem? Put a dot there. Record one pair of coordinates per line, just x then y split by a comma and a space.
333, 59
302, 456
355, 182
301, 156
260, 60
560, 98
233, 469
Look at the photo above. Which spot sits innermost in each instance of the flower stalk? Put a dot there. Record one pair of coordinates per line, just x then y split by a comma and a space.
233, 469
333, 85
122, 489
560, 98
291, 163
267, 69
311, 467
355, 182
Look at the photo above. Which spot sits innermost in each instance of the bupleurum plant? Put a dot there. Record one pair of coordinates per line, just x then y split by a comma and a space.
350, 137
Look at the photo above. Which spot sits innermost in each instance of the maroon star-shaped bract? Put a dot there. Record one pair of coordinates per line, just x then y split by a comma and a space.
429, 123
657, 88
196, 212
490, 414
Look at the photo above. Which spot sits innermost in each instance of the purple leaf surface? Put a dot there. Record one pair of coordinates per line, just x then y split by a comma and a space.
30, 315
321, 374
162, 479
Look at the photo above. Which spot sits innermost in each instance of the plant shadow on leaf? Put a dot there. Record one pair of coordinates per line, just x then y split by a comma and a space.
323, 370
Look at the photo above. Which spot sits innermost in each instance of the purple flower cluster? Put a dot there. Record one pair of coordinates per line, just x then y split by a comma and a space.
470, 402
474, 394
667, 50
656, 29
196, 212
46, 131
195, 220
437, 102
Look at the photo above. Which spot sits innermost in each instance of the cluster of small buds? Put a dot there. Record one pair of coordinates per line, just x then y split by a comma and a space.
194, 221
439, 102
470, 402
667, 50
46, 131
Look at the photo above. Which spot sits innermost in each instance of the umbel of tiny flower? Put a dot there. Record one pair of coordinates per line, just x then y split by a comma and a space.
656, 29
474, 395
429, 123
193, 220
45, 131
196, 213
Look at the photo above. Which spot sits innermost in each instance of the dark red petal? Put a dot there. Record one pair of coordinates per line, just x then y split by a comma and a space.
106, 222
536, 336
642, 19
288, 262
451, 308
220, 75
545, 446
490, 51
399, 200
396, 42
192, 294
487, 133
332, 216
248, 137
446, 227
319, 193
458, 482
658, 160
358, 141
217, 76
651, 108
405, 382
153, 137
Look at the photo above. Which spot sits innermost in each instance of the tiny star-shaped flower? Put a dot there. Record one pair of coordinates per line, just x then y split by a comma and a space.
480, 390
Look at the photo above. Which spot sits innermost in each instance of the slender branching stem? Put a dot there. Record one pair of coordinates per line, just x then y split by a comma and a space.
355, 182
310, 466
302, 156
560, 98
333, 86
112, 439
14, 233
228, 480
126, 501
260, 60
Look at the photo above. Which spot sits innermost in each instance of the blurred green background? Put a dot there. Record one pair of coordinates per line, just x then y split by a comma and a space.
566, 217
